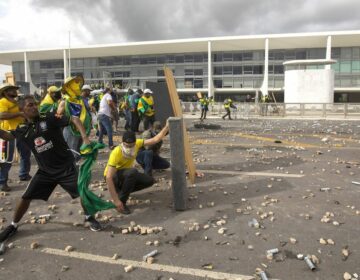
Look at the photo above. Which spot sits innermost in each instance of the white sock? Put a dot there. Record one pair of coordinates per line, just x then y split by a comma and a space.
14, 224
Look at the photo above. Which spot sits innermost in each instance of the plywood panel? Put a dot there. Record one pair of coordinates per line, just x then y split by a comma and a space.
175, 102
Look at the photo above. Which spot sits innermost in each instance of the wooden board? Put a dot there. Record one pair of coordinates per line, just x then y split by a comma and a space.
199, 94
176, 105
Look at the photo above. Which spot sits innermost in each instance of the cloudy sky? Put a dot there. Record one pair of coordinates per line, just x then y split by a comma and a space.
46, 23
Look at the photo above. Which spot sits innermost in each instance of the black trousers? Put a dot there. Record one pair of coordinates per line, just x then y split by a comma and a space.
228, 113
135, 121
130, 180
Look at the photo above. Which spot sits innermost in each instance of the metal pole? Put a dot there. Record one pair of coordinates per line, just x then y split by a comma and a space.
69, 55
180, 192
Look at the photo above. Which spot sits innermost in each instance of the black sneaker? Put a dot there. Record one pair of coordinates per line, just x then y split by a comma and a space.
126, 210
5, 188
94, 224
26, 178
7, 233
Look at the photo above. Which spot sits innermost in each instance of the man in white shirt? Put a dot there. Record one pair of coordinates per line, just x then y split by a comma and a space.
104, 116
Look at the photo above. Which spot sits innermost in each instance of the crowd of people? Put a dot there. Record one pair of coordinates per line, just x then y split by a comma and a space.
57, 132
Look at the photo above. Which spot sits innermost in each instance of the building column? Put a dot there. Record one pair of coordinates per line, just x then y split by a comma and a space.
26, 67
265, 85
328, 51
210, 81
65, 66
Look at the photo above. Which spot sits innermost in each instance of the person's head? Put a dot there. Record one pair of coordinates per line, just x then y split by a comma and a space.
128, 144
27, 104
157, 127
72, 86
9, 91
54, 92
130, 91
85, 91
147, 92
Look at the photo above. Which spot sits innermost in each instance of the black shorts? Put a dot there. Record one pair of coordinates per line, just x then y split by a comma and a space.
43, 184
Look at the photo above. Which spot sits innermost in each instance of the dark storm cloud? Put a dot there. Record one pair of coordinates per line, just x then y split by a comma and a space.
140, 20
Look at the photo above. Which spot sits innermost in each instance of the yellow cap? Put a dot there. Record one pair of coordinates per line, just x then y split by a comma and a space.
53, 89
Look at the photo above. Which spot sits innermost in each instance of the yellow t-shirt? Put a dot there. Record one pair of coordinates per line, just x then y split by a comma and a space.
9, 107
117, 159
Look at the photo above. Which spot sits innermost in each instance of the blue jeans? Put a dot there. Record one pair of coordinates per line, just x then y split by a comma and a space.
149, 161
74, 142
25, 164
105, 124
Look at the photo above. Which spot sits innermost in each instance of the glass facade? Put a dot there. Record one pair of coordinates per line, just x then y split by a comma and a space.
236, 69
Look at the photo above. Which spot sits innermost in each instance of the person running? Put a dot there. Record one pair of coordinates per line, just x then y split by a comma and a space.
228, 103
121, 178
43, 135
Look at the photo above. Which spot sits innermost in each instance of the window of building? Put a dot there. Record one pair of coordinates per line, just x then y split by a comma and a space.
227, 57
279, 55
237, 56
179, 59
135, 60
189, 58
198, 72
335, 53
160, 73
248, 69
237, 70
218, 57
290, 55
345, 67
355, 66
218, 70
170, 59
160, 59
257, 69
356, 53
278, 69
198, 83
189, 82
345, 53
189, 72
247, 56
271, 69
336, 67
227, 83
217, 83
198, 58
300, 54
227, 70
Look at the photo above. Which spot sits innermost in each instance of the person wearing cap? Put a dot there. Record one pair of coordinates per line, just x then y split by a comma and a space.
149, 156
146, 109
51, 100
107, 105
73, 105
135, 119
10, 118
121, 177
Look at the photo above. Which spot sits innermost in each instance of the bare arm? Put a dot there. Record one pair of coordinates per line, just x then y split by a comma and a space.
80, 127
6, 135
61, 108
158, 137
112, 105
9, 116
111, 172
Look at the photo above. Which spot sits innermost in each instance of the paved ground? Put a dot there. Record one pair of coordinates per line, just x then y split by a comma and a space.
248, 176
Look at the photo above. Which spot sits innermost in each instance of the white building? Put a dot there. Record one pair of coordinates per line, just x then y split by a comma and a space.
222, 66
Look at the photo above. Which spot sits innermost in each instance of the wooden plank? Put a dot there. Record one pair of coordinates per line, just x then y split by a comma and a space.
175, 102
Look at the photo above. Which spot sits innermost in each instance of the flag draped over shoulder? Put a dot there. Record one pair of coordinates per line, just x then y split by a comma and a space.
76, 107
91, 202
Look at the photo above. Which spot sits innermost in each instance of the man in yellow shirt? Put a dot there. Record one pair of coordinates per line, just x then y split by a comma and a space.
10, 118
146, 109
51, 101
121, 178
